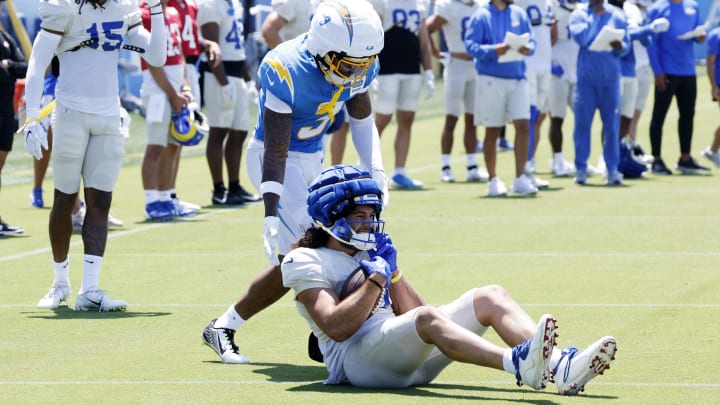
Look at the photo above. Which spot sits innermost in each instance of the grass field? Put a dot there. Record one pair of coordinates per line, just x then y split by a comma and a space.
638, 262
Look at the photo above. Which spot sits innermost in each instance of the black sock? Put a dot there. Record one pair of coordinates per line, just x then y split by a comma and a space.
219, 186
233, 186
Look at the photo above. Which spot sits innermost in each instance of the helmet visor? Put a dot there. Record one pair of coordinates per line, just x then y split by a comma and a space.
347, 69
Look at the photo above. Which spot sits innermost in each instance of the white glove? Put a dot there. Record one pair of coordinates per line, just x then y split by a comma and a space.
252, 91
270, 239
35, 138
228, 93
381, 180
660, 25
375, 85
429, 83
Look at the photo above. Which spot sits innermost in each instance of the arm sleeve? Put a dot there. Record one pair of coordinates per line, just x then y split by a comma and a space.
154, 42
43, 50
366, 139
474, 41
580, 29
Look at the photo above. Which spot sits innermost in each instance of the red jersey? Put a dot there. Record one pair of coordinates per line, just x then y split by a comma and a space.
187, 9
173, 26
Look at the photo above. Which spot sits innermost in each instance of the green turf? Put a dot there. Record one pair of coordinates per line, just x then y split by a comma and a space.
638, 262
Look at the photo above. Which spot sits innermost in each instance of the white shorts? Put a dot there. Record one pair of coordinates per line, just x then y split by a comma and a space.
539, 88
459, 76
87, 146
394, 355
498, 101
194, 81
397, 92
158, 133
237, 117
300, 170
561, 97
646, 79
628, 96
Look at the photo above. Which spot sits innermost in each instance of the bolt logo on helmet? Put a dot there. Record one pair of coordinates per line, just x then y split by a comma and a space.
345, 38
188, 127
334, 195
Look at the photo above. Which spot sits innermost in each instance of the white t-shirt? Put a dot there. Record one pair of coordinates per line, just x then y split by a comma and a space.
296, 13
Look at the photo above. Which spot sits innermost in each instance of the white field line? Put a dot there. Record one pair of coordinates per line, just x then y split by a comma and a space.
540, 305
266, 382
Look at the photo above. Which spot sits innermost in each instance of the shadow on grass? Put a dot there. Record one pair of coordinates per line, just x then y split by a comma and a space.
315, 374
64, 312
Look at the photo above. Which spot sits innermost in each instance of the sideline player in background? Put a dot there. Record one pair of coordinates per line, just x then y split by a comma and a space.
305, 82
88, 144
13, 66
452, 17
407, 47
227, 93
712, 152
501, 91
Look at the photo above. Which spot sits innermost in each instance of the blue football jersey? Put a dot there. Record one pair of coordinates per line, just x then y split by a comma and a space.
290, 73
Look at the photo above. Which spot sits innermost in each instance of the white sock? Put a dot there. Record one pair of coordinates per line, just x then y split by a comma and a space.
399, 170
507, 361
230, 319
445, 159
62, 272
471, 160
91, 273
558, 156
555, 358
150, 196
164, 195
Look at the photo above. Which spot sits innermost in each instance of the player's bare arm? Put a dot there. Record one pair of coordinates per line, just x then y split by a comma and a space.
359, 107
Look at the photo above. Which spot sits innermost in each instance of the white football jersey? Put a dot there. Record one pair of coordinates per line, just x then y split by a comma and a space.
457, 14
296, 13
408, 14
541, 16
565, 51
228, 15
88, 50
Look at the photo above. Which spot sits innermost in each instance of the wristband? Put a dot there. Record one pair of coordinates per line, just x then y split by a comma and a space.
396, 278
376, 283
271, 187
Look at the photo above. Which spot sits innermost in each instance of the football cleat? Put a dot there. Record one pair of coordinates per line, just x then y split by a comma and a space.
496, 188
78, 217
241, 196
690, 166
524, 185
182, 209
614, 179
659, 168
114, 222
446, 175
159, 210
59, 293
36, 199
532, 356
6, 229
476, 174
561, 168
576, 368
530, 166
504, 145
221, 340
186, 205
219, 196
581, 177
537, 182
712, 156
404, 182
97, 300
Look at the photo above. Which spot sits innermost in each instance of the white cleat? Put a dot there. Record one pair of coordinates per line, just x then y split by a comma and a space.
496, 188
576, 368
524, 185
446, 175
476, 174
532, 357
59, 293
222, 341
97, 300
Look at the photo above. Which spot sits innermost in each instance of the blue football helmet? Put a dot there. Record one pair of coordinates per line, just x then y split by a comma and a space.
188, 127
628, 164
332, 197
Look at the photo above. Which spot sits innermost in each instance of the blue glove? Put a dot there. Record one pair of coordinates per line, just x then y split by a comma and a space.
377, 265
556, 70
386, 250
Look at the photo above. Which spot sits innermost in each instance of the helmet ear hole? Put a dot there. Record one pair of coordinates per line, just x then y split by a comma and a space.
188, 127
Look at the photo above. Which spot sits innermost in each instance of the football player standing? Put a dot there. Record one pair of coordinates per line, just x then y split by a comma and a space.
88, 145
452, 17
305, 82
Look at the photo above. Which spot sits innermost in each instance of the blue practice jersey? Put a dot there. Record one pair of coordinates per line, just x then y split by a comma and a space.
713, 48
668, 53
291, 74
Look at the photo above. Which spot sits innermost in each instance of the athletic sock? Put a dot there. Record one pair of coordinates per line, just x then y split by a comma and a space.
230, 319
91, 273
62, 272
